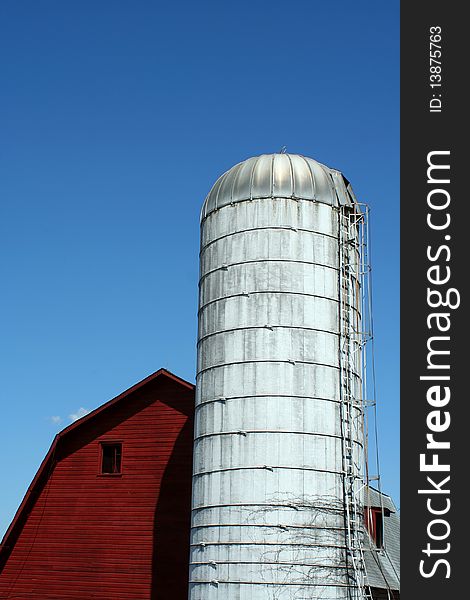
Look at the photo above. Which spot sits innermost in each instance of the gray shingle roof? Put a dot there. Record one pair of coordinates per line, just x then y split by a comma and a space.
383, 565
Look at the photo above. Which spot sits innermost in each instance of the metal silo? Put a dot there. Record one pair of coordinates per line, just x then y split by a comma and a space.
278, 451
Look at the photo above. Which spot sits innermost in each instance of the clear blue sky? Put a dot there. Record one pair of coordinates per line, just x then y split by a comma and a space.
116, 118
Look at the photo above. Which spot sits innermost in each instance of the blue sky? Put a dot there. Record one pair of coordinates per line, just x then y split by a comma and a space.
116, 119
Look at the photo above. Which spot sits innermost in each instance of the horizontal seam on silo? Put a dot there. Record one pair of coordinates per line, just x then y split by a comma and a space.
269, 260
249, 327
280, 292
266, 468
264, 543
299, 584
274, 505
270, 197
254, 396
272, 228
271, 431
269, 525
292, 362
266, 562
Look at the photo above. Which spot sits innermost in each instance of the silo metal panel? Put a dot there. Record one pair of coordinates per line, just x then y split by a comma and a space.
243, 181
287, 379
283, 185
303, 180
211, 202
340, 187
225, 194
262, 185
255, 245
267, 344
291, 310
324, 186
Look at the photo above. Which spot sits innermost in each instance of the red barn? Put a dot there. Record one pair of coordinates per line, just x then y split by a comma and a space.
107, 515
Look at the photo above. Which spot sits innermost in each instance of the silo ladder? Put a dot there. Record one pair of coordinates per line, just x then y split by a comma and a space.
352, 339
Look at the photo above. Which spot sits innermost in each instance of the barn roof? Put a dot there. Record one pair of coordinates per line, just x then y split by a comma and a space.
383, 564
47, 464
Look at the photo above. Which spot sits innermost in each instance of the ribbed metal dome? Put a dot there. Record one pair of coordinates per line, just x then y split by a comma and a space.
279, 176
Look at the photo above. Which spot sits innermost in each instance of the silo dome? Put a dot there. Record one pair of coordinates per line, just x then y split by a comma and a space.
279, 176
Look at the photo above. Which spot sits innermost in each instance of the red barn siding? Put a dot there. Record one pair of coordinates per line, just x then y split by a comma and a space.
110, 537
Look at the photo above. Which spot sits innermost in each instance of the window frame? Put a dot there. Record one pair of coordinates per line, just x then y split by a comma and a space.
374, 521
108, 443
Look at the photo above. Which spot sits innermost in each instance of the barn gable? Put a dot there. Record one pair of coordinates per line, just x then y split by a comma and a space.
114, 527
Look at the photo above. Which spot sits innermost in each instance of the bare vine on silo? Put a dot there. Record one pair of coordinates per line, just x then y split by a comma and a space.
306, 553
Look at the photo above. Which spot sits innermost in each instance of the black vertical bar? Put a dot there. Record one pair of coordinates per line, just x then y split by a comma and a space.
433, 269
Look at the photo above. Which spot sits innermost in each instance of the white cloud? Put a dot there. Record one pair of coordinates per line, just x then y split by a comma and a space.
56, 419
81, 412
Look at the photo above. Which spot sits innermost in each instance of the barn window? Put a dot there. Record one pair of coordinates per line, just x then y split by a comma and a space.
373, 517
111, 455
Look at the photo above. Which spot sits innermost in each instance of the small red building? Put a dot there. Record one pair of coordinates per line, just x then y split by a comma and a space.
107, 515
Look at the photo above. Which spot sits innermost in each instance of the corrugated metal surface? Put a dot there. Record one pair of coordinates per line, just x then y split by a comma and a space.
268, 516
84, 535
278, 176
